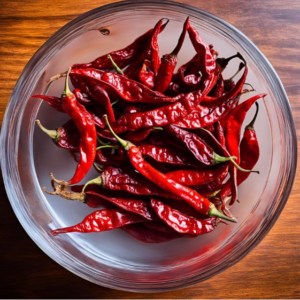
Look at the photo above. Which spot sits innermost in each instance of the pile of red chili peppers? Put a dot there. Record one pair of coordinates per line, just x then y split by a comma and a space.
167, 144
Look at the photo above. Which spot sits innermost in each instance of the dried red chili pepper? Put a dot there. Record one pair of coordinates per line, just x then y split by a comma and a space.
147, 235
200, 203
220, 87
125, 179
168, 64
249, 153
81, 99
182, 223
87, 130
66, 136
198, 147
220, 133
54, 102
146, 75
102, 220
229, 83
169, 155
194, 121
196, 177
157, 117
158, 226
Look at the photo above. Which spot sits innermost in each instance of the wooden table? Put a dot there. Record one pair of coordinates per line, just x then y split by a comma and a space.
270, 271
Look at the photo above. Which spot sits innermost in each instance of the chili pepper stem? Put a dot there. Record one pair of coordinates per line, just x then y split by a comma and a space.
250, 126
60, 182
61, 191
214, 194
97, 168
108, 146
218, 159
124, 143
52, 133
67, 91
97, 181
57, 77
119, 71
158, 128
213, 212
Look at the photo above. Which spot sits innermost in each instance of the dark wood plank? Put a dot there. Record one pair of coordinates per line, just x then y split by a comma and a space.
270, 271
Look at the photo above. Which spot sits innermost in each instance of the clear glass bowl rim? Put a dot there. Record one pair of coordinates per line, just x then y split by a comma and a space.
14, 108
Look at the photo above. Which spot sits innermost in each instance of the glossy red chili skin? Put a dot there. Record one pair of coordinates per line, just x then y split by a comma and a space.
249, 155
102, 220
155, 118
146, 76
195, 120
108, 160
228, 85
138, 135
169, 155
194, 143
200, 203
147, 235
219, 91
54, 102
128, 180
182, 223
231, 94
87, 130
122, 57
220, 133
196, 177
139, 207
81, 99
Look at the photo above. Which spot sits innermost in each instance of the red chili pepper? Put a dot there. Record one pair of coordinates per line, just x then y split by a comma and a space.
157, 117
66, 137
108, 160
87, 130
169, 156
249, 152
168, 64
220, 87
229, 83
81, 99
200, 203
54, 102
146, 75
182, 223
128, 180
220, 133
138, 135
102, 220
147, 235
196, 177
196, 119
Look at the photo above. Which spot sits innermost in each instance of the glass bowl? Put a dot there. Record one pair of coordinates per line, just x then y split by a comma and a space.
114, 259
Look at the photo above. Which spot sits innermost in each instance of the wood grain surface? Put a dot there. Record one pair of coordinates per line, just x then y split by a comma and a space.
272, 270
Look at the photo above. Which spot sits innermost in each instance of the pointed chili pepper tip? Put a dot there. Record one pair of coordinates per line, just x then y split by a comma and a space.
213, 212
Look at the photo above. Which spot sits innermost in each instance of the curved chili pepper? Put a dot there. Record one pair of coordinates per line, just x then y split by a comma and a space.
81, 99
229, 83
196, 177
128, 180
54, 102
147, 235
220, 133
231, 94
195, 119
220, 87
87, 130
182, 223
249, 153
146, 75
102, 220
200, 203
66, 137
158, 226
169, 155
168, 63
157, 117
138, 135
198, 147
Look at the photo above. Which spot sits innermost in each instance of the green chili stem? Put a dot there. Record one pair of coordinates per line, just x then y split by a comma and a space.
119, 71
67, 91
52, 133
101, 142
115, 102
108, 146
97, 181
213, 212
158, 128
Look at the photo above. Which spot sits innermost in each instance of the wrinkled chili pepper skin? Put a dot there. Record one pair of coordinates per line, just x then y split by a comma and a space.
182, 223
220, 133
128, 180
155, 59
102, 220
87, 130
81, 99
68, 136
200, 203
196, 177
54, 102
193, 121
147, 235
133, 91
220, 87
194, 143
169, 155
231, 94
146, 76
155, 118
139, 207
